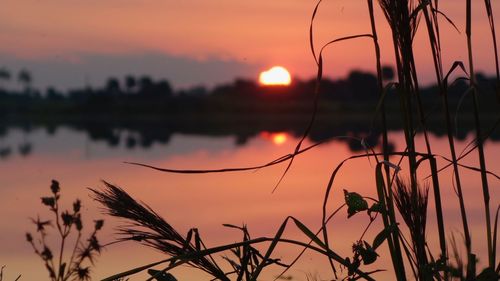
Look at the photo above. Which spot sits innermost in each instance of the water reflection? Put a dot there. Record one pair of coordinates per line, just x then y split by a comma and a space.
207, 201
143, 134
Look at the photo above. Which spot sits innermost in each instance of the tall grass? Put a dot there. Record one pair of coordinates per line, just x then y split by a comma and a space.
402, 205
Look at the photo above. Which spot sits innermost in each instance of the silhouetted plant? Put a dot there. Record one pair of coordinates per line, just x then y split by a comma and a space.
148, 228
82, 253
413, 210
1, 274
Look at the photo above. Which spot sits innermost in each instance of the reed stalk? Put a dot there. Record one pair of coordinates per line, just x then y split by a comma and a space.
403, 17
439, 209
479, 137
491, 20
434, 39
393, 241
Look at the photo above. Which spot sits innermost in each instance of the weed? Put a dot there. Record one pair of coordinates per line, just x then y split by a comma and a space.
82, 252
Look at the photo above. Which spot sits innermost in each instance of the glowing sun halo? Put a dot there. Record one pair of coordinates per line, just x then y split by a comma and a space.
276, 76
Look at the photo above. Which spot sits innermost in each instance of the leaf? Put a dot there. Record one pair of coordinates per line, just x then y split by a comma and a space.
77, 205
98, 224
270, 250
46, 254
415, 13
380, 238
48, 201
352, 267
161, 276
135, 270
67, 218
456, 64
376, 208
61, 269
368, 254
187, 241
392, 165
52, 274
309, 233
232, 226
447, 19
29, 238
488, 274
78, 222
54, 187
354, 202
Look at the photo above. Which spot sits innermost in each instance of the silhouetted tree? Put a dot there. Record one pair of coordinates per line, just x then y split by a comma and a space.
113, 86
24, 77
54, 95
145, 85
4, 75
245, 88
130, 83
162, 88
197, 91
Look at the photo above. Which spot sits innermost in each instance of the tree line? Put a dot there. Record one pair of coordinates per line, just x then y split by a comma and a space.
143, 94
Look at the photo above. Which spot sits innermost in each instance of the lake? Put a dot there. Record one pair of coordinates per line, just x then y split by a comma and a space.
32, 158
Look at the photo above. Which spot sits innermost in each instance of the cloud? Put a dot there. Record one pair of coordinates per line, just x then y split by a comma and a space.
78, 71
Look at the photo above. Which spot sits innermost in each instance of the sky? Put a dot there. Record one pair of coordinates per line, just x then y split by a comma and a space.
70, 44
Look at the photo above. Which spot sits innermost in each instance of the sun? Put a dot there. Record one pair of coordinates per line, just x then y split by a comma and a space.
277, 138
276, 76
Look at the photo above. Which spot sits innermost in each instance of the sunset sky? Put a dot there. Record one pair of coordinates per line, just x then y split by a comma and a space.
197, 42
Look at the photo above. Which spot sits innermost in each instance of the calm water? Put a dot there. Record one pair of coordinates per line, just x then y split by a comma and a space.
206, 201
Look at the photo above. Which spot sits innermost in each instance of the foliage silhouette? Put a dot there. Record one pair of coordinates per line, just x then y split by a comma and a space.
62, 265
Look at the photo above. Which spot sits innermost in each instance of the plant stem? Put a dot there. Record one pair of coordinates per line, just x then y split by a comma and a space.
479, 137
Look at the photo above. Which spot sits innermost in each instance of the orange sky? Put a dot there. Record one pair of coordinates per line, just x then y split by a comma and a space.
252, 35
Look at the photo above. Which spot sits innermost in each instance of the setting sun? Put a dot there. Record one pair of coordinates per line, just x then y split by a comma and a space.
276, 138
277, 75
